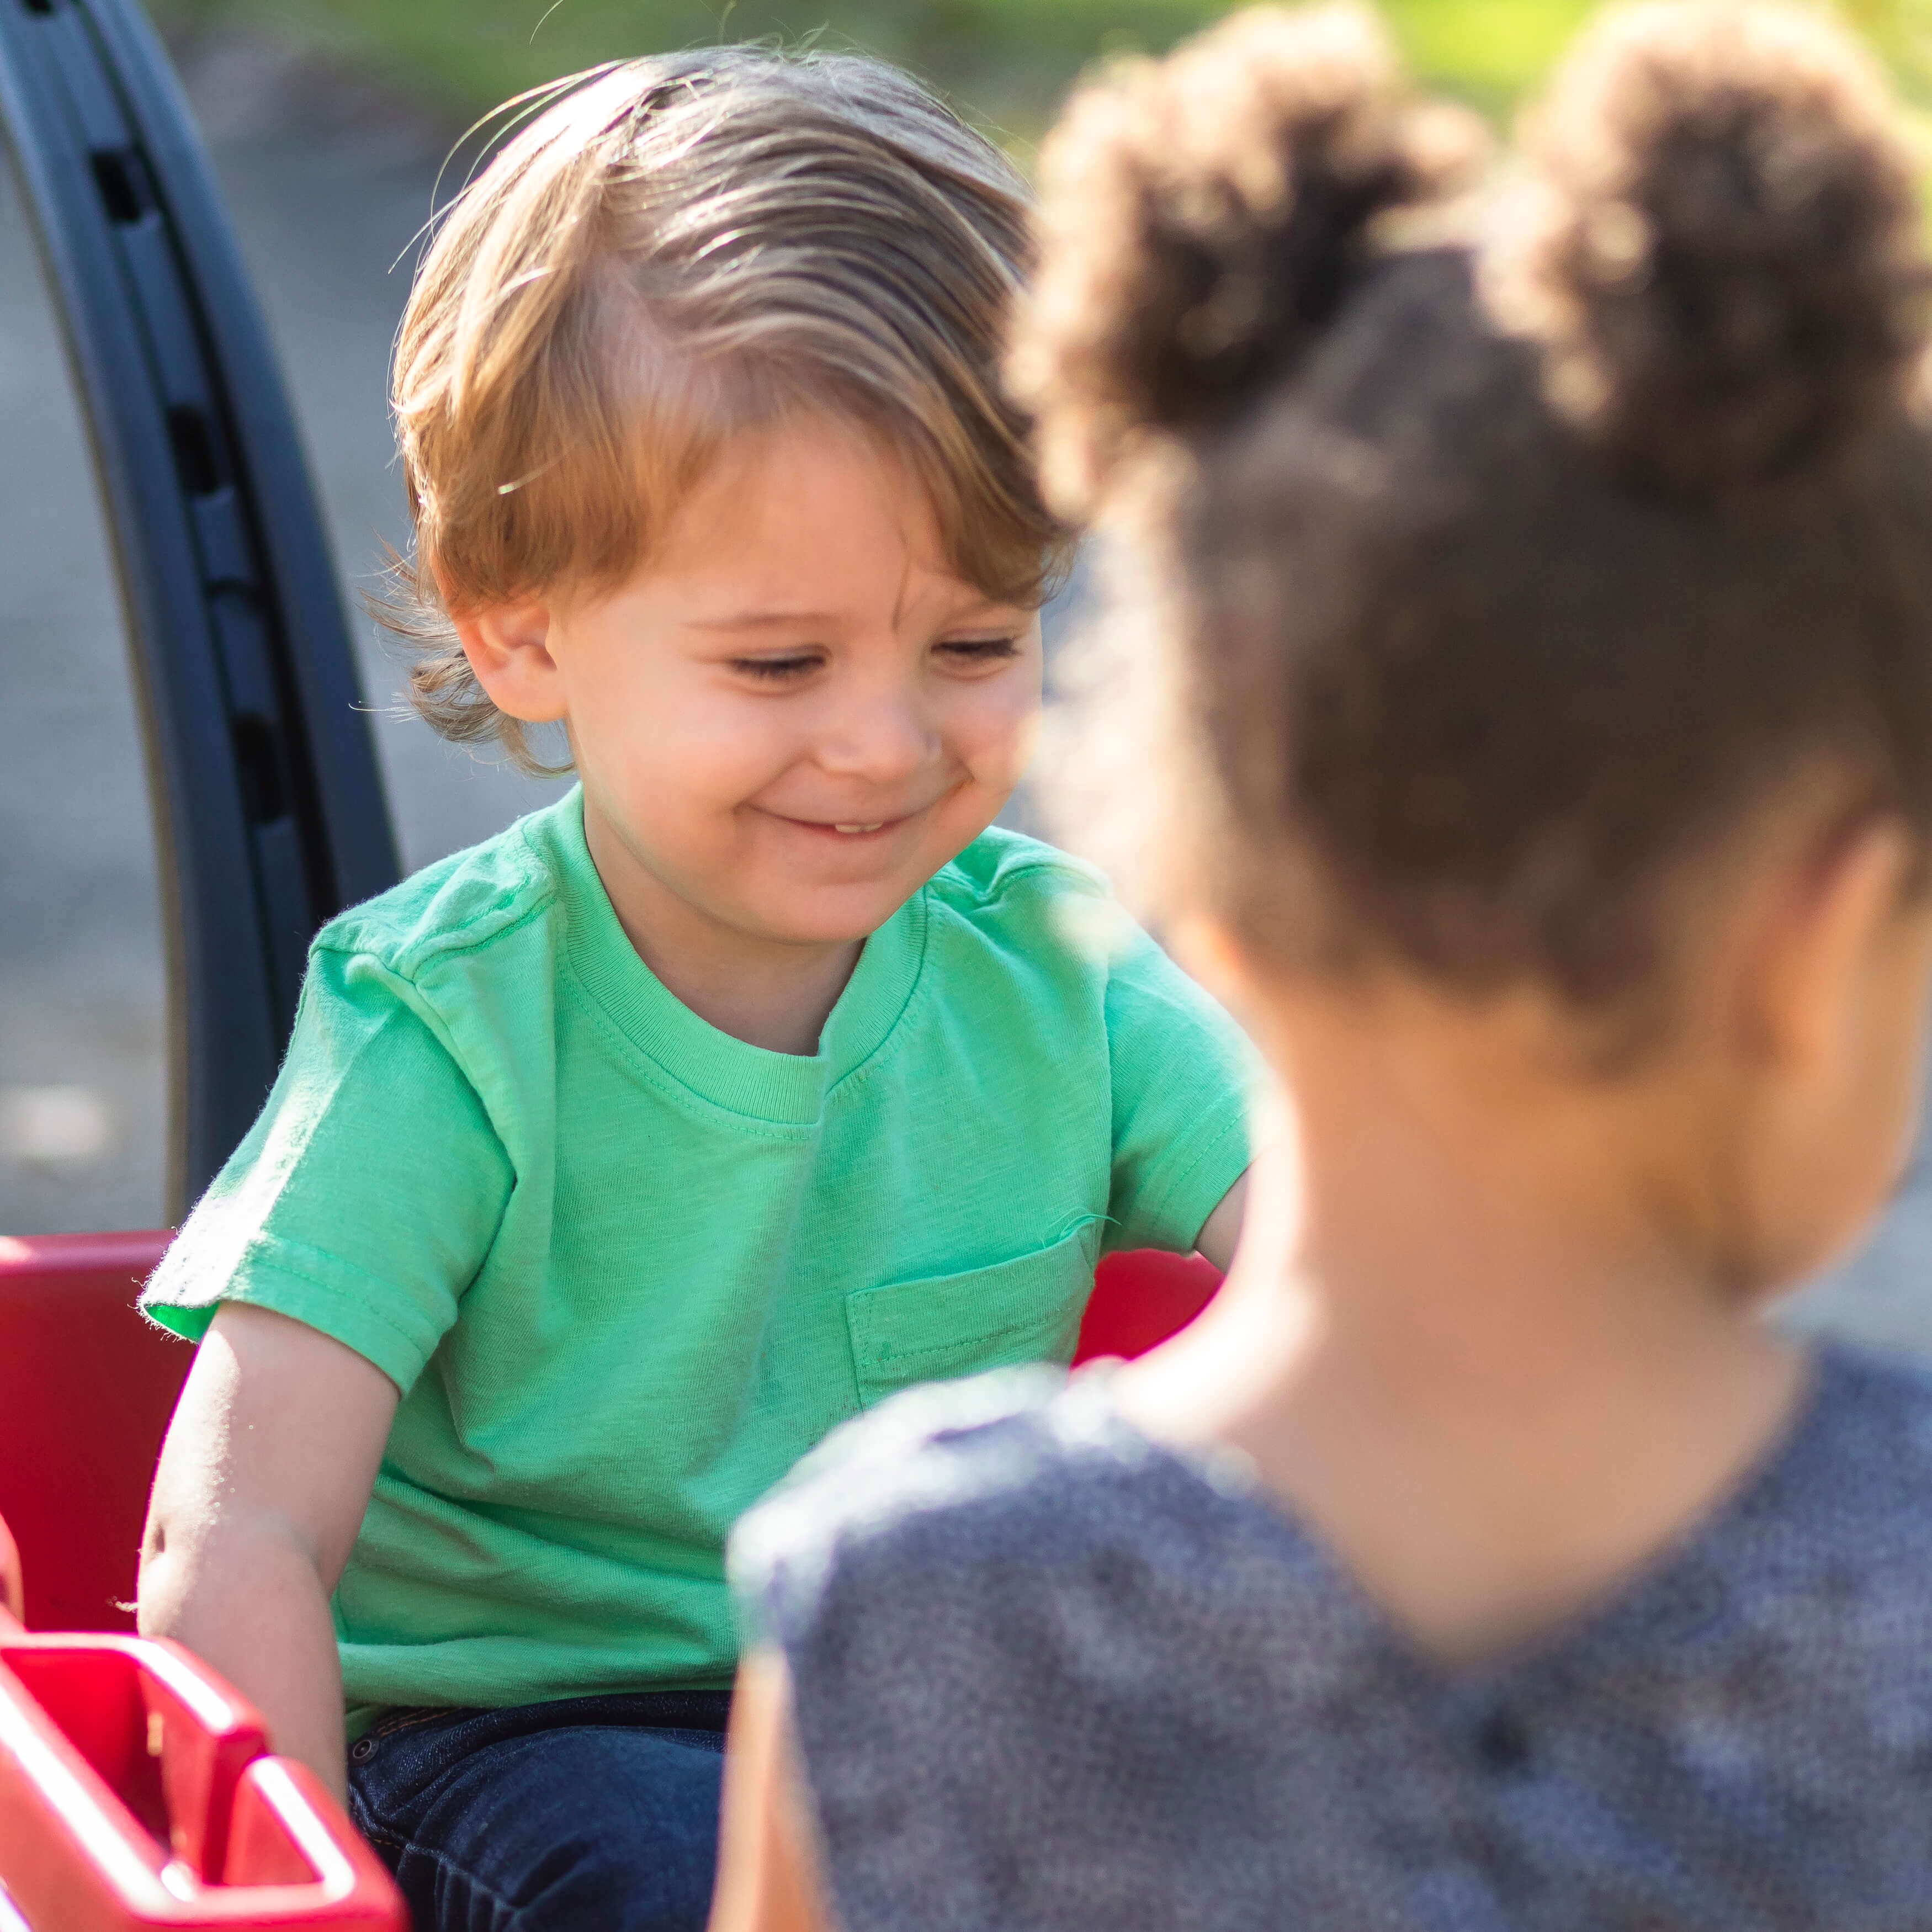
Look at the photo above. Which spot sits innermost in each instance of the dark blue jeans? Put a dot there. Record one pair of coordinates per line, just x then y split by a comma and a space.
595, 1814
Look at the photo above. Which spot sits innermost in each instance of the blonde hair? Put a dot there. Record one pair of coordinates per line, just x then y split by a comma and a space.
676, 249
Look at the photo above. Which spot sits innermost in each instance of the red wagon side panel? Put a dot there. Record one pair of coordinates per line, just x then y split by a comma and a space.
86, 1388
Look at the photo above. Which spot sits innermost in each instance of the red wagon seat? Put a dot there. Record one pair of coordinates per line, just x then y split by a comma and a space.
1141, 1299
87, 1387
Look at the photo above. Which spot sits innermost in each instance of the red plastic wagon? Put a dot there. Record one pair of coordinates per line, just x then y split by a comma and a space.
137, 1788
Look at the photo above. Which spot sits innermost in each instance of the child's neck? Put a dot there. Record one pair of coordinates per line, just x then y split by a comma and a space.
775, 994
1442, 1356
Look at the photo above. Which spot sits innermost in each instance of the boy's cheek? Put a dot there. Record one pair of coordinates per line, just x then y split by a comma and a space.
681, 765
1022, 740
995, 730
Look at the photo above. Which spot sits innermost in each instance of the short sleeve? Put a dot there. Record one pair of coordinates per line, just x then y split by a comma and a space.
1181, 1073
365, 1198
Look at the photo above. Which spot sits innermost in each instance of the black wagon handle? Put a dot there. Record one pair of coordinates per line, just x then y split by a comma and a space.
268, 808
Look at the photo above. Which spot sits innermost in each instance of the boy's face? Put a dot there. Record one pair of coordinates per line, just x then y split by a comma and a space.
794, 713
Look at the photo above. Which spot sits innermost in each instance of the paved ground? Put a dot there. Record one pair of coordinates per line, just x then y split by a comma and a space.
81, 1022
80, 995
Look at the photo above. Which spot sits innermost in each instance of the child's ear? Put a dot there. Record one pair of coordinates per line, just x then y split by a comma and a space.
508, 646
1823, 949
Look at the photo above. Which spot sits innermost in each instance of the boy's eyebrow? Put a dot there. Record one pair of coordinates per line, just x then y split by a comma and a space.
752, 620
746, 620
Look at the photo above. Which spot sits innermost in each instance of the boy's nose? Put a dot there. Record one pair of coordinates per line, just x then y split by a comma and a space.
882, 737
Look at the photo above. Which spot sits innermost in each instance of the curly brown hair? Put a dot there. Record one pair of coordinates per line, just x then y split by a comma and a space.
1511, 543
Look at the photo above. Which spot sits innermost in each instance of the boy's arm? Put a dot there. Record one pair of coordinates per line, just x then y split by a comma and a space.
768, 1876
263, 1480
1221, 1234
1180, 1071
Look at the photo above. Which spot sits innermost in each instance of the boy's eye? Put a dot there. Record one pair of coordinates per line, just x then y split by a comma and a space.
980, 650
776, 671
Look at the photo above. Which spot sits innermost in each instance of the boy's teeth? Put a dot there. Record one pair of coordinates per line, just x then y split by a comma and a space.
858, 828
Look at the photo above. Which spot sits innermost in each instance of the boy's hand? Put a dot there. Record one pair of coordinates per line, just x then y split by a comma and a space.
263, 1484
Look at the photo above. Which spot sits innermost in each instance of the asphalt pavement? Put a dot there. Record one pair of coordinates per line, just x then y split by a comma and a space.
327, 229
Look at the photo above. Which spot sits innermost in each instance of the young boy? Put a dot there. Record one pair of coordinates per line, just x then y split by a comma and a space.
617, 1160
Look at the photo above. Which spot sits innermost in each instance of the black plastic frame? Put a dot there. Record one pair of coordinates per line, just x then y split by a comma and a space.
268, 806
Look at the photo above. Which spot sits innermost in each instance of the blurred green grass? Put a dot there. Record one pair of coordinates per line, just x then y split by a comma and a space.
1007, 62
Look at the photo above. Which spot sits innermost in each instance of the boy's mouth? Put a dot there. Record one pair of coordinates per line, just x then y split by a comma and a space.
861, 831
849, 829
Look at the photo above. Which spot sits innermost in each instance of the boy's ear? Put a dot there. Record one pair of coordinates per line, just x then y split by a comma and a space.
508, 646
1821, 944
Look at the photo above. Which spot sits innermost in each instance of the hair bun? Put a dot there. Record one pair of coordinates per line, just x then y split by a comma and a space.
1200, 217
1719, 244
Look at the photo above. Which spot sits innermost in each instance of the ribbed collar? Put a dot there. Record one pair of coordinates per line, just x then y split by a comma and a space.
786, 1087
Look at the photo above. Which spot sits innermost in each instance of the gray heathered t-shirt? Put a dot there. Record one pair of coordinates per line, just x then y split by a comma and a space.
1050, 1675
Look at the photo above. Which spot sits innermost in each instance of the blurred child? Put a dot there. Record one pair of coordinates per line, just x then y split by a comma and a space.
616, 1161
1548, 595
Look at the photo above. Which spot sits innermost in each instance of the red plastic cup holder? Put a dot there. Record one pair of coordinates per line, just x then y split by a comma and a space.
136, 1791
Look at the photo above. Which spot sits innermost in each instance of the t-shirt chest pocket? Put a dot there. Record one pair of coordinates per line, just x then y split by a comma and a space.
1027, 1309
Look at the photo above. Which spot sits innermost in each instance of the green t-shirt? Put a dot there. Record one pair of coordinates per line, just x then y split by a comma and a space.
626, 1270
